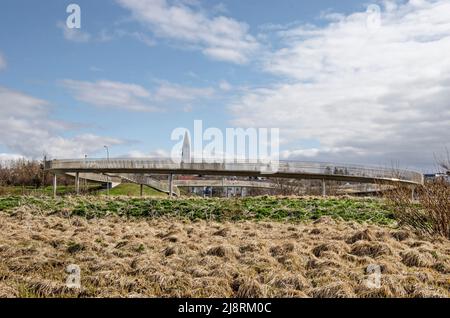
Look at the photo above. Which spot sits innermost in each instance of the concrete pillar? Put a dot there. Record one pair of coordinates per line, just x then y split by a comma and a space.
142, 190
324, 189
54, 186
170, 185
412, 193
77, 183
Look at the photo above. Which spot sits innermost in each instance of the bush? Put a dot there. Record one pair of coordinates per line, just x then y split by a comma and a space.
429, 214
27, 173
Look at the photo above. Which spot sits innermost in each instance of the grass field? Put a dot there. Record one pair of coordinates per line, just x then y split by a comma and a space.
125, 189
131, 189
251, 208
61, 190
252, 247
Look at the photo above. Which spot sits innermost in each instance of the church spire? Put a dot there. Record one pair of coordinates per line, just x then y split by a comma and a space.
186, 151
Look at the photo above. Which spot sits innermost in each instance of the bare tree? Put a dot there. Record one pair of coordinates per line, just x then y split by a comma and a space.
444, 162
26, 173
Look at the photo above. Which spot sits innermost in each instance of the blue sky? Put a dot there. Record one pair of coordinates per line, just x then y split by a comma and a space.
340, 85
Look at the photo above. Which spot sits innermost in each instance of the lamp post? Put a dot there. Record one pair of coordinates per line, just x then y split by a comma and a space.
107, 177
85, 180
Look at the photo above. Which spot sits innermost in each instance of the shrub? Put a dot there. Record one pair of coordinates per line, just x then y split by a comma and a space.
429, 214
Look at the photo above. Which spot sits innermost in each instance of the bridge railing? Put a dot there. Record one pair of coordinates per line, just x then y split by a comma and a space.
242, 165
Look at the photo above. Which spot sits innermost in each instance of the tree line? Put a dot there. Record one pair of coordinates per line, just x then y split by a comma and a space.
27, 173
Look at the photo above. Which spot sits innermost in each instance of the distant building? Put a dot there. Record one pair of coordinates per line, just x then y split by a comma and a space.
436, 176
186, 150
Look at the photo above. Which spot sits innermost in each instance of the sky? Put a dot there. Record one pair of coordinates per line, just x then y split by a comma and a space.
365, 82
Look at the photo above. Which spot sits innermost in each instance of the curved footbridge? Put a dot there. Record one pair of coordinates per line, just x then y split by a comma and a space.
269, 185
137, 171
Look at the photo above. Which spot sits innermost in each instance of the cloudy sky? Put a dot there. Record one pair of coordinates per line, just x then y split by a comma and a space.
345, 81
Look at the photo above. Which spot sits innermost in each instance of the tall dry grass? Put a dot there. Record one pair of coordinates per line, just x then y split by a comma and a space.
428, 213
169, 257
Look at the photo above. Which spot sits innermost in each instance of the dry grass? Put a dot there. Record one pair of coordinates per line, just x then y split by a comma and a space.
430, 214
167, 257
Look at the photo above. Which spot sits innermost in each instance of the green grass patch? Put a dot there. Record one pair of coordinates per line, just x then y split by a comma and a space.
9, 202
61, 190
131, 189
126, 189
251, 208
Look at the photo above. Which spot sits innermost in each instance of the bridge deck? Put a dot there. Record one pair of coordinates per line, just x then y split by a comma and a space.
282, 169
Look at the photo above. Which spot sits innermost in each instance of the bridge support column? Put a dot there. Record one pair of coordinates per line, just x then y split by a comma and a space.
324, 189
142, 190
77, 183
413, 190
170, 185
223, 188
54, 186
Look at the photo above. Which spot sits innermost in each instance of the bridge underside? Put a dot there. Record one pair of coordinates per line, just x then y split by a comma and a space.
303, 176
135, 170
163, 186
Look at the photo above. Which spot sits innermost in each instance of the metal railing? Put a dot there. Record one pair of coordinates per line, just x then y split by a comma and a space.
313, 169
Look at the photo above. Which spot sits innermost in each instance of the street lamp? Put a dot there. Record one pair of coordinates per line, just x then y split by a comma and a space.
85, 180
107, 177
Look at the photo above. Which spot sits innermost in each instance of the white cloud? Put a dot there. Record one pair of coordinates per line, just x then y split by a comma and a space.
171, 91
218, 37
74, 35
5, 157
27, 129
225, 86
17, 104
2, 62
111, 94
78, 146
365, 93
133, 97
159, 153
140, 36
